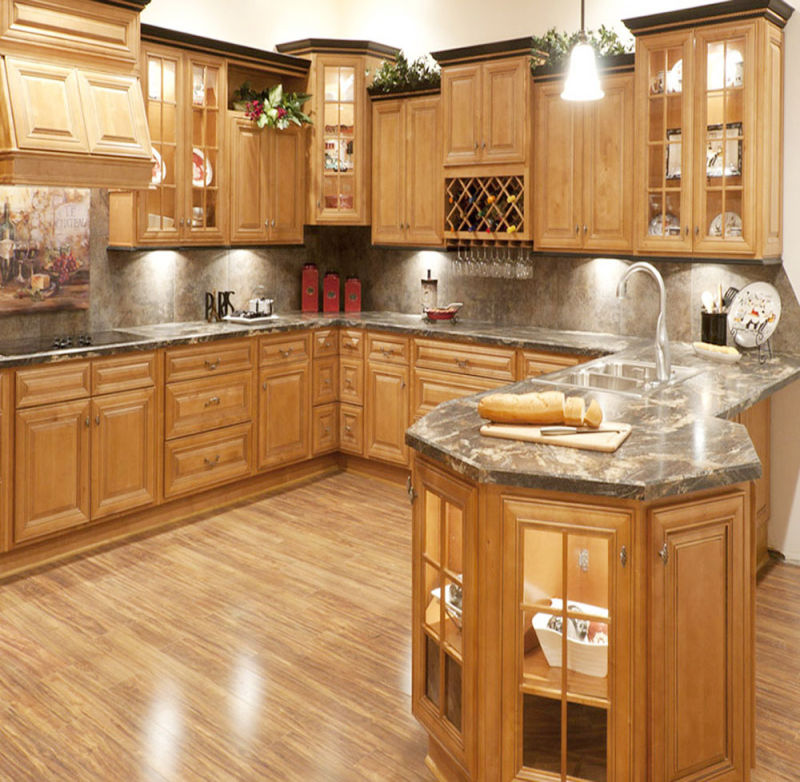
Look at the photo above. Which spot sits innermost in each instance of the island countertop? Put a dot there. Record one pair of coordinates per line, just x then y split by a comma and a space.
682, 440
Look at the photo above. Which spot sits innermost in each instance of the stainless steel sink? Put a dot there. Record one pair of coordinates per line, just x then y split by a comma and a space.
632, 378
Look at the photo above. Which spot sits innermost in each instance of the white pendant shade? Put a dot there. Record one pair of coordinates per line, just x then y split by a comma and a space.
582, 83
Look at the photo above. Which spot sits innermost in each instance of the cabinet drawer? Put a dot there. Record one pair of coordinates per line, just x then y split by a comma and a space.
432, 388
479, 361
325, 429
351, 429
533, 363
284, 350
53, 383
207, 360
387, 347
326, 343
123, 373
351, 343
351, 381
325, 380
209, 403
203, 460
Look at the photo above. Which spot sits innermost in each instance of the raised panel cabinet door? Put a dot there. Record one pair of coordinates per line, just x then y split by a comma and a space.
461, 105
557, 219
506, 106
123, 452
608, 167
388, 172
114, 111
249, 192
424, 181
387, 411
699, 631
51, 470
287, 178
46, 102
284, 417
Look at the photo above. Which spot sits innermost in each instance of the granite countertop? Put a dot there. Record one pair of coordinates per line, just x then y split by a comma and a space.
682, 440
580, 343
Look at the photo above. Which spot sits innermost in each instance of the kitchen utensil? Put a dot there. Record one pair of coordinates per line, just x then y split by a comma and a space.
708, 301
444, 313
729, 296
714, 327
754, 314
607, 442
550, 431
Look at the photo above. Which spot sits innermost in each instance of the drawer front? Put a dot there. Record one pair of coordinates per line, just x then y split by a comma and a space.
533, 363
325, 380
478, 361
209, 360
387, 347
53, 383
326, 343
351, 343
204, 460
351, 381
351, 429
286, 349
123, 373
325, 429
432, 388
209, 403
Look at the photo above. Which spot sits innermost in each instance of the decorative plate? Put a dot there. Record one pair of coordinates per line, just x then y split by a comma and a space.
733, 225
159, 168
673, 225
199, 163
754, 314
675, 78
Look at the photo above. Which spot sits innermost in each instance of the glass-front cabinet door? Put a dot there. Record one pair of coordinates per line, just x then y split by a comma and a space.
444, 609
664, 67
566, 654
725, 149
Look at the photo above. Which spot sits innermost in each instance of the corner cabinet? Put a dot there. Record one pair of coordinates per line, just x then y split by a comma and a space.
407, 187
709, 106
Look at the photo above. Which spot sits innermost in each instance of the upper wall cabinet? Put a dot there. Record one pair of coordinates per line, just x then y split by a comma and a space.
709, 104
486, 99
339, 139
583, 167
407, 187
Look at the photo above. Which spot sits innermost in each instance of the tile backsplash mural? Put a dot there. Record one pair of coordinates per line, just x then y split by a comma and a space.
44, 249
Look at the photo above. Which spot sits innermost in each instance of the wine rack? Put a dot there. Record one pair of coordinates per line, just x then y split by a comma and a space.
481, 208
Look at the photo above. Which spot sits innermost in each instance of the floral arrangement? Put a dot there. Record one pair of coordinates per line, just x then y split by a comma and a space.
404, 76
557, 46
273, 108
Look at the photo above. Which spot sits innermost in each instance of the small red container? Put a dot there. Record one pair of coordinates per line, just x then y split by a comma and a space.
310, 288
330, 293
352, 295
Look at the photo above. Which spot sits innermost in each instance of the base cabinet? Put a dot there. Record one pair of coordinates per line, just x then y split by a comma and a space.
283, 416
387, 412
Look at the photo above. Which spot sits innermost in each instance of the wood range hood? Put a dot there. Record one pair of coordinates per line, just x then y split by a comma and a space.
71, 106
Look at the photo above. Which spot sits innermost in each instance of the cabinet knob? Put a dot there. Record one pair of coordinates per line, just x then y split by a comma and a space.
585, 228
577, 229
264, 385
402, 384
272, 222
212, 365
87, 422
326, 381
623, 556
319, 204
686, 231
347, 429
326, 343
663, 552
211, 462
697, 230
462, 363
214, 400
348, 383
484, 145
266, 223
285, 353
407, 226
327, 430
477, 144
182, 222
97, 420
412, 494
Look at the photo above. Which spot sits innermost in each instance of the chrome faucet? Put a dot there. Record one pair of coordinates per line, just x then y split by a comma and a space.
663, 362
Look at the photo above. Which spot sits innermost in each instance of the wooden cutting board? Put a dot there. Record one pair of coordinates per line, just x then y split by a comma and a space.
607, 442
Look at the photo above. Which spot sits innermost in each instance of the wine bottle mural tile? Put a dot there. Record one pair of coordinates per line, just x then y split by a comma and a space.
44, 249
490, 207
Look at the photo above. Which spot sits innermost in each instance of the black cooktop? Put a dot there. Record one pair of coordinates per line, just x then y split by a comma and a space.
65, 342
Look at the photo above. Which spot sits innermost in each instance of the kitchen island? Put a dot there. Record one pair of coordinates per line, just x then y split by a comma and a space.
645, 556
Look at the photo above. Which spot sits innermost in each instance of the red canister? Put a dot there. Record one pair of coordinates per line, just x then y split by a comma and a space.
310, 288
352, 295
330, 292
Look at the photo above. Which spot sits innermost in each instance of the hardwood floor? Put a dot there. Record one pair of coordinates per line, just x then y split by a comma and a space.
269, 642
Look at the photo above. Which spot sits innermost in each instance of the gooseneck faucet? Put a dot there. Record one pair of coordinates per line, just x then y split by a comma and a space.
663, 362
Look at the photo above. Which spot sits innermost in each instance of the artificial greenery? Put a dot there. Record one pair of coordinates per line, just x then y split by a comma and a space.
558, 45
404, 76
246, 94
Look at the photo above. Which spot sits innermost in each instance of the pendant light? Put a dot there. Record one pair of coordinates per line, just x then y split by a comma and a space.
583, 83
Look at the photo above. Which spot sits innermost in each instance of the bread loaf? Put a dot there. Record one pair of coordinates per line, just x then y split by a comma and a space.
533, 408
574, 410
594, 414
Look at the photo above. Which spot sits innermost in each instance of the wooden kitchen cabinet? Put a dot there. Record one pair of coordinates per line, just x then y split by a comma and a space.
758, 420
387, 412
407, 186
709, 103
267, 183
584, 159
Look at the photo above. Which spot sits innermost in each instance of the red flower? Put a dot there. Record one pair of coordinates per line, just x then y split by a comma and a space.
281, 112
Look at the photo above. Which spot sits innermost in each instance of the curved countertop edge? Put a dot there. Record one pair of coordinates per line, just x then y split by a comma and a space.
151, 337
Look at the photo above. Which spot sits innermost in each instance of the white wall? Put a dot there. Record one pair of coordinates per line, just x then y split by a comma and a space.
420, 26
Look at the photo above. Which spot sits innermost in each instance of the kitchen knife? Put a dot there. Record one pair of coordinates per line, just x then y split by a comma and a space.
560, 430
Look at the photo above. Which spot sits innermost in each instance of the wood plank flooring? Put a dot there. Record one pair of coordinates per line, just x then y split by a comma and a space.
269, 642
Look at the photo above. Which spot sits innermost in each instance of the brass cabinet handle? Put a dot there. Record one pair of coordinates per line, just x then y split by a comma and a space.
214, 400
272, 223
211, 462
402, 384
412, 495
326, 381
347, 429
577, 229
326, 344
182, 221
484, 145
462, 363
327, 430
387, 353
264, 385
477, 144
348, 383
407, 226
285, 353
266, 223
664, 553
697, 230
585, 228
349, 345
87, 421
623, 556
212, 365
